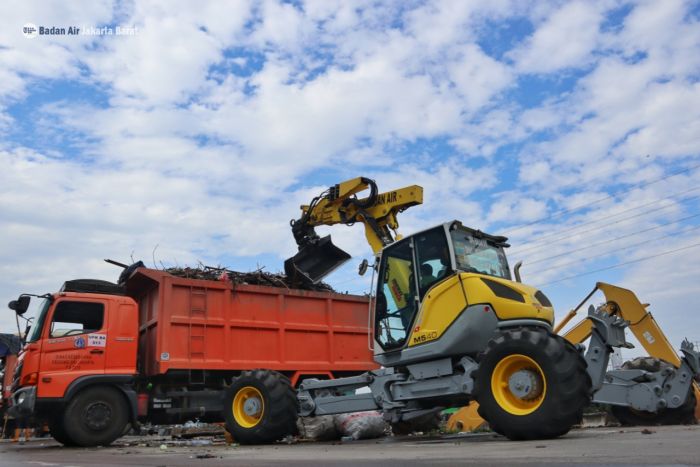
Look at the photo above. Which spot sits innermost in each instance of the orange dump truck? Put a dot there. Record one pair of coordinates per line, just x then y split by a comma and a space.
166, 349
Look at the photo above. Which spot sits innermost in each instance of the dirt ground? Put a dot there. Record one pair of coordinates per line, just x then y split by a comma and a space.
677, 445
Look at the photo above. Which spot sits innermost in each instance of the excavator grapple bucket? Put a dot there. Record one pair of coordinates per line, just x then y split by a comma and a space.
315, 261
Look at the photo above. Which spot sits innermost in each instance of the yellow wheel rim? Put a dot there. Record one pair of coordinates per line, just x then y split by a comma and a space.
248, 407
518, 384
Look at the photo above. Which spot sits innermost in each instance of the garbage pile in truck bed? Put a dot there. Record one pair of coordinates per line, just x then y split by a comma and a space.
257, 277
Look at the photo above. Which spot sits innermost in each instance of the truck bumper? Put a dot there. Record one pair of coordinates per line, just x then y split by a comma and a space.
23, 402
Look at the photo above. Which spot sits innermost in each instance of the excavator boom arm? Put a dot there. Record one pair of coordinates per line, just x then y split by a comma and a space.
378, 212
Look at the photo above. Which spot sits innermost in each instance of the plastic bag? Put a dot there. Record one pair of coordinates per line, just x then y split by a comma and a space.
361, 425
321, 428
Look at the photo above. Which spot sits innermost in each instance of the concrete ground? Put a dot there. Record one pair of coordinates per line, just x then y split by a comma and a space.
678, 445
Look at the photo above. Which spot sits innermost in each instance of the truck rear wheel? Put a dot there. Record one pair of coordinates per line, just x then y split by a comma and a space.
531, 384
260, 407
96, 416
683, 415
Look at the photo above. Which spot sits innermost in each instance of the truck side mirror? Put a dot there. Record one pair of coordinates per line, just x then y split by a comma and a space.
20, 305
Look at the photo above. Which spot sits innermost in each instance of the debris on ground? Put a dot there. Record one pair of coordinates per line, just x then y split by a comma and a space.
360, 425
257, 277
320, 428
647, 431
196, 429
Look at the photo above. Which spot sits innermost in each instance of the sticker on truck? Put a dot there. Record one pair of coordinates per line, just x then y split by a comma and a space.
97, 340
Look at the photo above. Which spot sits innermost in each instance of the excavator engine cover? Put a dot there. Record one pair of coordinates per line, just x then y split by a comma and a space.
315, 261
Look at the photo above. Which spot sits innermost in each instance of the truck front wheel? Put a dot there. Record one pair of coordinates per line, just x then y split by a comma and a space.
96, 416
260, 407
57, 430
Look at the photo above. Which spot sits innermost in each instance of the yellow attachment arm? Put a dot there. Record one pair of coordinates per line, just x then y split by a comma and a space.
625, 304
377, 211
642, 323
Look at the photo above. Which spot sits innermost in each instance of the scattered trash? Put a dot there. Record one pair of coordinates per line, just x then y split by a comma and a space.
321, 428
647, 431
258, 277
205, 456
163, 447
360, 425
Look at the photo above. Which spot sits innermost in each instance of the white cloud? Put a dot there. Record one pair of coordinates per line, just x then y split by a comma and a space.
564, 40
209, 164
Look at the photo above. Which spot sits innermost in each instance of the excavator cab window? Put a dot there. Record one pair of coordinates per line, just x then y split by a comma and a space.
433, 257
396, 296
479, 254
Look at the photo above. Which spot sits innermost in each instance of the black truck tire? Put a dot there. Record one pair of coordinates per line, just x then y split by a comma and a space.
58, 432
260, 407
531, 384
96, 416
627, 416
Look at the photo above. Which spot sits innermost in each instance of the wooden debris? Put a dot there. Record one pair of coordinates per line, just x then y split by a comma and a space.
257, 277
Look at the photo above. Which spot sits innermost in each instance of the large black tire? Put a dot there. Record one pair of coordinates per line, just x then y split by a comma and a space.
58, 432
558, 384
260, 407
424, 423
96, 416
683, 415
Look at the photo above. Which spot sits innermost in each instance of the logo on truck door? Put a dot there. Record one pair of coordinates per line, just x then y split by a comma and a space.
79, 342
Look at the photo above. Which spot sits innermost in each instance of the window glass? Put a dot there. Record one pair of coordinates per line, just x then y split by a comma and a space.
72, 318
433, 258
396, 305
479, 255
35, 330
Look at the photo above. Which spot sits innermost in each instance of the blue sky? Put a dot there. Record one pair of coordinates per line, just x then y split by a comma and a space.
572, 127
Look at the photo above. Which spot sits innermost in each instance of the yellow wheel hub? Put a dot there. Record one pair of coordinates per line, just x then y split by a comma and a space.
248, 407
518, 384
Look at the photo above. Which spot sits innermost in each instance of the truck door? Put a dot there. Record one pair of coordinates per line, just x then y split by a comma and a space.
73, 344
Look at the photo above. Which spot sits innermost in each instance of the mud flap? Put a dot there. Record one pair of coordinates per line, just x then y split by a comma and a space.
315, 261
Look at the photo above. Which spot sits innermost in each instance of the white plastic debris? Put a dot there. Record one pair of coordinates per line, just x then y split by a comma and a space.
360, 425
321, 428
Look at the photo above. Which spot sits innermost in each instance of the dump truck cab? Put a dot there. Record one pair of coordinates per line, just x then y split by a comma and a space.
83, 336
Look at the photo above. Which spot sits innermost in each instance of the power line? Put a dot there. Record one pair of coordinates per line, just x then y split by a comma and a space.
577, 208
603, 242
578, 226
536, 244
560, 266
620, 265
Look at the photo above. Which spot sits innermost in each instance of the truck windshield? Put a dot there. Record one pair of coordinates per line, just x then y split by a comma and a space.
43, 309
479, 255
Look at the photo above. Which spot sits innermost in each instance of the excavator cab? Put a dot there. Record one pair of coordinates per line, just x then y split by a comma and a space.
413, 266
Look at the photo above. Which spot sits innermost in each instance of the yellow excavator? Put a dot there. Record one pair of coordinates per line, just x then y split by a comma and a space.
451, 326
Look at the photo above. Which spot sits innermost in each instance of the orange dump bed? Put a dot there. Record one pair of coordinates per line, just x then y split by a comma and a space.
191, 324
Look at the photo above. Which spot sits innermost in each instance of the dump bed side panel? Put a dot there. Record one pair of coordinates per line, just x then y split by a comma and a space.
196, 324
